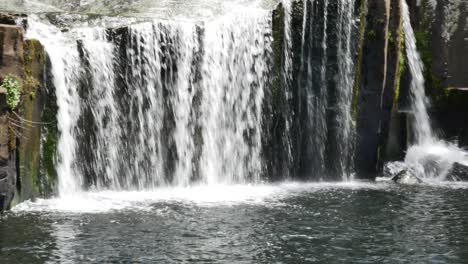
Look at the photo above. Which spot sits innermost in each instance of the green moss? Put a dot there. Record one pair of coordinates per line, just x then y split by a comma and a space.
37, 149
391, 40
34, 52
434, 84
401, 66
31, 82
49, 147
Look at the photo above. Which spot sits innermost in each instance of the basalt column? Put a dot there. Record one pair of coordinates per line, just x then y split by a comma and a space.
373, 76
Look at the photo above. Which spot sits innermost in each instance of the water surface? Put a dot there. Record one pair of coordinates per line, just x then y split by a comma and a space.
287, 223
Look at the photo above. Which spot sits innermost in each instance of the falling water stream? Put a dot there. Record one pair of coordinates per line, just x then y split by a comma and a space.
159, 103
430, 156
147, 103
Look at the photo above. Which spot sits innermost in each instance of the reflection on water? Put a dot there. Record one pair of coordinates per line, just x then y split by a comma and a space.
65, 234
287, 223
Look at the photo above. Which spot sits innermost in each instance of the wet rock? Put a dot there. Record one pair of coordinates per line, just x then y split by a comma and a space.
7, 19
29, 148
406, 177
11, 50
458, 172
373, 75
391, 169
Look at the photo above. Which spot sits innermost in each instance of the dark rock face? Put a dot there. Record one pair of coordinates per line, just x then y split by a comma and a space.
11, 62
7, 19
8, 174
373, 74
458, 172
31, 109
392, 133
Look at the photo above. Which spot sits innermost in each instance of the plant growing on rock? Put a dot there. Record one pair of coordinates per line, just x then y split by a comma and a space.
13, 90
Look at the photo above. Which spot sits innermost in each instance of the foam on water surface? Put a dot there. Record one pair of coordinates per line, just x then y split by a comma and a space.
215, 195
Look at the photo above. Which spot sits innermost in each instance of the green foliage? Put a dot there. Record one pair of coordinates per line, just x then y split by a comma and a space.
13, 89
31, 82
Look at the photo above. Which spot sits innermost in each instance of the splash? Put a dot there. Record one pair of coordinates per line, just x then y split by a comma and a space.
206, 196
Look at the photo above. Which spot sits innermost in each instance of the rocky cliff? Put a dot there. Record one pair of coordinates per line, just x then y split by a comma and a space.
22, 125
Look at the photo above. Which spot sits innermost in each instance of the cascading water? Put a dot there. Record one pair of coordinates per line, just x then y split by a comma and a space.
174, 103
430, 157
421, 126
64, 56
234, 73
159, 103
327, 71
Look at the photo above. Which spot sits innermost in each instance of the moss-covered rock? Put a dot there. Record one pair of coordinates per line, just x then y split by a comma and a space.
30, 111
49, 138
372, 88
391, 138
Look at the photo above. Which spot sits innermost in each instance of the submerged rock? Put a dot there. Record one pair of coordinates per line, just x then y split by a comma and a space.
458, 172
406, 177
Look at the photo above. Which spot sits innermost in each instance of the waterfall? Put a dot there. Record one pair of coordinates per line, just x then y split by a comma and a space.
345, 125
159, 103
421, 126
430, 157
327, 78
148, 103
64, 56
234, 73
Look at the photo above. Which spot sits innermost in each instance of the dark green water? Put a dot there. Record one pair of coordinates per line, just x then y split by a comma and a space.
289, 223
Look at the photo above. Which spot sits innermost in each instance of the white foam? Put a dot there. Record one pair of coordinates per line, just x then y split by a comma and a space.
215, 195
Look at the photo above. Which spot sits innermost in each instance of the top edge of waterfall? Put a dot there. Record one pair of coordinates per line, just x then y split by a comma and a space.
139, 9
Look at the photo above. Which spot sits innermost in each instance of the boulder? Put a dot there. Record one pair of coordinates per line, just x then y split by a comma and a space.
458, 172
406, 177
